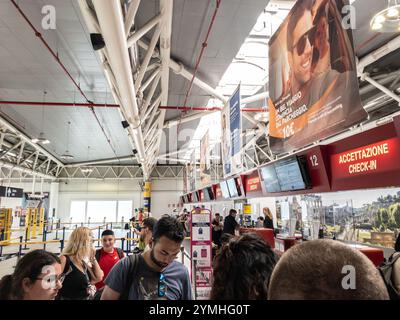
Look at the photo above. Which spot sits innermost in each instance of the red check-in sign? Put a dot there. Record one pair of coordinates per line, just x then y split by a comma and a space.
375, 158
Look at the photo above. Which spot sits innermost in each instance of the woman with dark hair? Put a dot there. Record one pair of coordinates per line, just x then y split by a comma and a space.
242, 269
37, 276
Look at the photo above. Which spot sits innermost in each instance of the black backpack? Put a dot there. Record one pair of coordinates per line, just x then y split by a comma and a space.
386, 270
119, 251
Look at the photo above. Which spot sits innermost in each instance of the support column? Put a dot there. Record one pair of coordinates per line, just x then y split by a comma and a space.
147, 198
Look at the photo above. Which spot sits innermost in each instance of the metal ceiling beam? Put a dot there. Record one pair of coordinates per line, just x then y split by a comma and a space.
5, 124
166, 9
111, 24
141, 32
14, 167
180, 69
377, 54
391, 94
147, 57
102, 161
130, 16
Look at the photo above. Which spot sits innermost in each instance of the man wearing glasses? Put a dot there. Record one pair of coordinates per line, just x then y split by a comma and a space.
154, 274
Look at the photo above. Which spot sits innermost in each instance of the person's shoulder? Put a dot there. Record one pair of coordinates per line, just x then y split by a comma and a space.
177, 267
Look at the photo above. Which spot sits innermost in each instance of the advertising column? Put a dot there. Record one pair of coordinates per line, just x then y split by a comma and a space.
147, 198
201, 252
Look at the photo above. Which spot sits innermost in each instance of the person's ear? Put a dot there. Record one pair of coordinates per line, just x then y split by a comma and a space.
26, 285
151, 242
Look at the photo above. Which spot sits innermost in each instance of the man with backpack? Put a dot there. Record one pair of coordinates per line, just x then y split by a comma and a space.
154, 274
108, 255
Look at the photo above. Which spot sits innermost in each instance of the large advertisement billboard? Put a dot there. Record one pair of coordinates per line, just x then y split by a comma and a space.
231, 139
313, 84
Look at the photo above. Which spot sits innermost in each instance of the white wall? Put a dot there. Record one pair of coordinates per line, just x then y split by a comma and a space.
163, 192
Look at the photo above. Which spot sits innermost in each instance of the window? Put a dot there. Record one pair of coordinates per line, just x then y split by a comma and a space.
77, 211
98, 210
82, 210
124, 210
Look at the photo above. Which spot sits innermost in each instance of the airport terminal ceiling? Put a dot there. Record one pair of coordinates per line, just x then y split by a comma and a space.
81, 75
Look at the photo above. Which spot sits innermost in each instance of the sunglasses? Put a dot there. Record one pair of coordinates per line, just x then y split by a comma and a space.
301, 43
162, 288
52, 279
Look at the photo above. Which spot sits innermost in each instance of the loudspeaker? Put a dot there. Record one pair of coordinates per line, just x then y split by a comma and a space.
97, 41
125, 124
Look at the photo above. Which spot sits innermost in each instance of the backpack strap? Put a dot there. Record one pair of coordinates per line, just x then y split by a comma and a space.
120, 253
98, 254
132, 271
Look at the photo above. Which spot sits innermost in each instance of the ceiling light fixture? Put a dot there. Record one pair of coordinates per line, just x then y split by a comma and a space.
387, 20
67, 155
41, 138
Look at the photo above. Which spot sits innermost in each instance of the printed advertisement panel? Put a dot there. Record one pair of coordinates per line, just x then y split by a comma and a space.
231, 141
205, 163
313, 85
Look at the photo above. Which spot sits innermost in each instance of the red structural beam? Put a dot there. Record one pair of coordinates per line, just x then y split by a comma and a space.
59, 104
104, 105
209, 109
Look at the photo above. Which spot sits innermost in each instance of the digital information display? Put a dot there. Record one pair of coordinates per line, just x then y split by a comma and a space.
289, 175
270, 179
224, 189
232, 188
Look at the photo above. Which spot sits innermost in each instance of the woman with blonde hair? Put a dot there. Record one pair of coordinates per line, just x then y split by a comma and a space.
268, 220
80, 267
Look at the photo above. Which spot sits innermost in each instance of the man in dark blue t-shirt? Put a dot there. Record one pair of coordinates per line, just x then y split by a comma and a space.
230, 224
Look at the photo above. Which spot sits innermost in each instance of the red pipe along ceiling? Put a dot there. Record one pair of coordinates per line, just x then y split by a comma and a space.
59, 104
97, 105
55, 56
203, 47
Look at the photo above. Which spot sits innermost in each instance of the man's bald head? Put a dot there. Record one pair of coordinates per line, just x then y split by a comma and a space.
314, 270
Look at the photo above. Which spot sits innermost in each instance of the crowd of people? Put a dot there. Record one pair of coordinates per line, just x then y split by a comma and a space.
245, 267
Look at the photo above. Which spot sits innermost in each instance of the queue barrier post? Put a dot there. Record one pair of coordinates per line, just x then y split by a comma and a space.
56, 238
81, 224
26, 237
63, 238
20, 247
106, 226
111, 225
44, 239
61, 246
76, 226
1, 239
122, 243
98, 237
127, 243
58, 223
